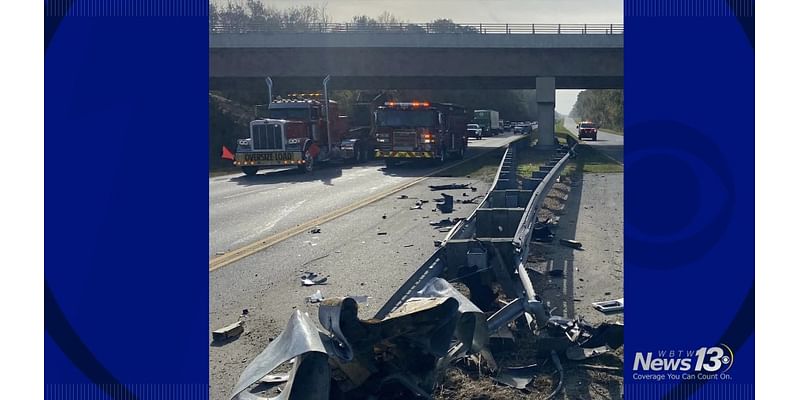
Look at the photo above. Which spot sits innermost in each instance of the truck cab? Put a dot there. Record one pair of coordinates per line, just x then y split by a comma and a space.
420, 130
295, 133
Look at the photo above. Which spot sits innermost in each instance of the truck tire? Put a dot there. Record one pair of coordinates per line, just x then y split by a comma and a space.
250, 171
308, 166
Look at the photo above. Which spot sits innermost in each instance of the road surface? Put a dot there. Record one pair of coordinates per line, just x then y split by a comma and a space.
610, 144
244, 209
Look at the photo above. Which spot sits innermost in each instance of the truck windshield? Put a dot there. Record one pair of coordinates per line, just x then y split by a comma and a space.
289, 114
587, 126
406, 118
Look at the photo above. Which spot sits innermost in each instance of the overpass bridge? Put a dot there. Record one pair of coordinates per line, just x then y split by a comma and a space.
545, 57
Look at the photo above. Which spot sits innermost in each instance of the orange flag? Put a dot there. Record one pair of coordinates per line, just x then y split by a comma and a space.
226, 154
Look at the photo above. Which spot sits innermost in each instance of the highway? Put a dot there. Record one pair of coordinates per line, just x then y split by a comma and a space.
610, 144
245, 209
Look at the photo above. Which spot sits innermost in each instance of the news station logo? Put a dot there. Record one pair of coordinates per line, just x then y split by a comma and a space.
704, 363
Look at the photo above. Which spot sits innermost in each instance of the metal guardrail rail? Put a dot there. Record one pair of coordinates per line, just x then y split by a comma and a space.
429, 28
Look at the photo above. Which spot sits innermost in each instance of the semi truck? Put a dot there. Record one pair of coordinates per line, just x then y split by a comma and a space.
420, 130
489, 120
297, 132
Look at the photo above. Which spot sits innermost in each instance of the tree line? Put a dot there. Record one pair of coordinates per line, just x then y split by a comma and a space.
605, 107
237, 15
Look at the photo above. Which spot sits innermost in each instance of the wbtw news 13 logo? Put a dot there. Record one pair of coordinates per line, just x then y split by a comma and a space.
705, 363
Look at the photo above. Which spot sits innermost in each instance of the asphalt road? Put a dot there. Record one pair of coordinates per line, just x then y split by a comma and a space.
370, 251
609, 143
244, 209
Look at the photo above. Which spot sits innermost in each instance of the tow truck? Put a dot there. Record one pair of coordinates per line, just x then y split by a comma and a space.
296, 132
420, 130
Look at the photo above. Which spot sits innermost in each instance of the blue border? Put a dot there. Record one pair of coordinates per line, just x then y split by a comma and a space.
126, 205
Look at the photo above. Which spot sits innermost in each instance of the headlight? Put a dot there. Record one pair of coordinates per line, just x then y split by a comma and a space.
244, 142
293, 141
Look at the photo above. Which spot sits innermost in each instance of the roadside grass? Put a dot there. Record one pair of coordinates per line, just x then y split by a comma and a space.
483, 167
588, 159
613, 132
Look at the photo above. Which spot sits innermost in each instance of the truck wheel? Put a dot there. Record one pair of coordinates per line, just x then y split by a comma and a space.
250, 171
308, 166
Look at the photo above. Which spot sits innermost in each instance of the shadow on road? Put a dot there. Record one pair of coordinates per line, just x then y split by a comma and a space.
323, 173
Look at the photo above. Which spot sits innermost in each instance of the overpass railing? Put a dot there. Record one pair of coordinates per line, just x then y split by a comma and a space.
431, 28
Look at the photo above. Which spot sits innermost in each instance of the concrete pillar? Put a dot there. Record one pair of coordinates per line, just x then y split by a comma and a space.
546, 104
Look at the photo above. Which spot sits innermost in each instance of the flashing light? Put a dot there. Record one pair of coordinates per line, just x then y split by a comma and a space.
412, 104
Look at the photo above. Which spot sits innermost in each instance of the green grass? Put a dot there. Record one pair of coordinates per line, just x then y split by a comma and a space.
613, 132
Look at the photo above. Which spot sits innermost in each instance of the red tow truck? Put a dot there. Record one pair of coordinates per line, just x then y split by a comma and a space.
295, 133
420, 130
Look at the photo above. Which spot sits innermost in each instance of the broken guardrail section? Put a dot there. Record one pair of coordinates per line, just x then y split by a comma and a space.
427, 323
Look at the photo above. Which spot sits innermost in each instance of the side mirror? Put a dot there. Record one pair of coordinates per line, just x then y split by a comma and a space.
577, 126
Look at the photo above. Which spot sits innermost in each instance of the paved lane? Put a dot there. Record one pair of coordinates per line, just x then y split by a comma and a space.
244, 209
609, 143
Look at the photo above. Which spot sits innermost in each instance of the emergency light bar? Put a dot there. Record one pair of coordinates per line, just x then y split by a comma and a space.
407, 104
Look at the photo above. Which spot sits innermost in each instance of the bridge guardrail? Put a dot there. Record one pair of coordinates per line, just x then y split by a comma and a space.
429, 28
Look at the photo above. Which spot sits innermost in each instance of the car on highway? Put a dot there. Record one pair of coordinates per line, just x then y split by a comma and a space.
519, 130
475, 131
587, 129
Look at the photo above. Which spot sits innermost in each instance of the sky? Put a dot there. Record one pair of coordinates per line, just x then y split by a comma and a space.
475, 11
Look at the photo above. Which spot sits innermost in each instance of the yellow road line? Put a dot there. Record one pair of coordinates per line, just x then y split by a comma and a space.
261, 244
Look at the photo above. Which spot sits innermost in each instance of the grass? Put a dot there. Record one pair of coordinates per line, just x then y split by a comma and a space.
613, 132
588, 159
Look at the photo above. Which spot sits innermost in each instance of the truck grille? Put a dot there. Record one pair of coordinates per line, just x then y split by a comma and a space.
404, 139
267, 137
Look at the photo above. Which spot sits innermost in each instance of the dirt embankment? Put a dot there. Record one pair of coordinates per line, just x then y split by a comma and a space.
228, 121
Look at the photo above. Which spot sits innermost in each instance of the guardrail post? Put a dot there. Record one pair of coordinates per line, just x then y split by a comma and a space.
611, 29
584, 29
533, 29
507, 31
559, 28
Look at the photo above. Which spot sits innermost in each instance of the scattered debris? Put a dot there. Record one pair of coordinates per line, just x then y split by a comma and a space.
451, 186
381, 233
315, 230
516, 377
571, 243
408, 245
610, 305
576, 353
384, 216
220, 253
315, 298
231, 331
437, 243
402, 196
311, 279
447, 204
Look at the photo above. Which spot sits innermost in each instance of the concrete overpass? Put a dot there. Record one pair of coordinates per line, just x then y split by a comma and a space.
518, 57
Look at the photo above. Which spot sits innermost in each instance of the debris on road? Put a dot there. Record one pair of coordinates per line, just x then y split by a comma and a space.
402, 196
312, 278
542, 233
220, 253
437, 243
571, 243
315, 230
446, 206
315, 298
451, 186
231, 331
408, 245
381, 233
610, 305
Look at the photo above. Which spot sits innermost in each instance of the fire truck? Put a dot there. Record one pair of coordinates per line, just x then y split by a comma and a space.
420, 130
297, 133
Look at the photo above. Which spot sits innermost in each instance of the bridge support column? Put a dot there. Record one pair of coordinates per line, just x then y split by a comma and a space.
546, 104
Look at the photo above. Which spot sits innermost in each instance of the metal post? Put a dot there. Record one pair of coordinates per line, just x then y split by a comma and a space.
269, 91
327, 111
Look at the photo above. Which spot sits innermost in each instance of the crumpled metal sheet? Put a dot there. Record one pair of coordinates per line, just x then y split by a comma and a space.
471, 328
300, 341
517, 377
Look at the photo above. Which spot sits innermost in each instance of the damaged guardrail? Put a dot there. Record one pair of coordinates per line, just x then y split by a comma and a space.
427, 323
